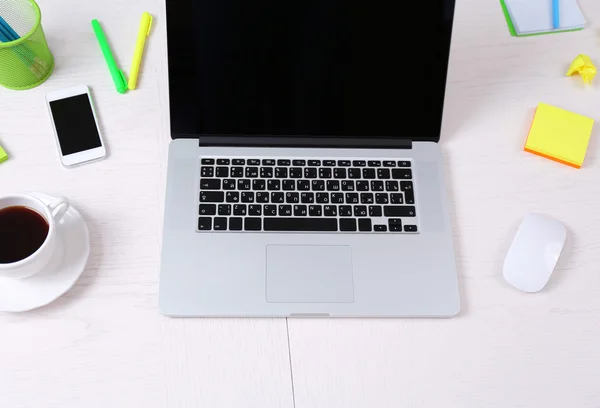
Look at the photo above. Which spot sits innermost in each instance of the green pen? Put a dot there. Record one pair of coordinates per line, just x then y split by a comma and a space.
117, 75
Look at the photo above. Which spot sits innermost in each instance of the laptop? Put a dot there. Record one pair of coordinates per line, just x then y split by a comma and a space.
305, 176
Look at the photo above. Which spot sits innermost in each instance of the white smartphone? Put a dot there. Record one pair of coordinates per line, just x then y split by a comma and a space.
75, 126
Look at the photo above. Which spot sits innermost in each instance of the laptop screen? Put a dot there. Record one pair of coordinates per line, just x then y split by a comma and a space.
329, 68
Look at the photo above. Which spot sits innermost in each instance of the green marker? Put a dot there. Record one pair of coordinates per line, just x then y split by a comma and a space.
117, 75
3, 155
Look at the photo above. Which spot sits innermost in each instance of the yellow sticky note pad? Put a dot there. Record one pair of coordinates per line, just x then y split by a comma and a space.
559, 135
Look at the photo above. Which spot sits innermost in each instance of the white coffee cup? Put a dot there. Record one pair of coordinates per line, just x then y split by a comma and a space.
37, 261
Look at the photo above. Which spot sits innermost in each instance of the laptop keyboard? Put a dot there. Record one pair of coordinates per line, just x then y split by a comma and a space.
297, 195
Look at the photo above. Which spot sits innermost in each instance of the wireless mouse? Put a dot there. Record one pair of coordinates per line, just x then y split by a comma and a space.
534, 252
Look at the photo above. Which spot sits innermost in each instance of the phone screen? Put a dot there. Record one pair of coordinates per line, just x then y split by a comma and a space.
75, 124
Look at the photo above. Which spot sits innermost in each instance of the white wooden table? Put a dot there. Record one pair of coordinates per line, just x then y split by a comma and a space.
104, 344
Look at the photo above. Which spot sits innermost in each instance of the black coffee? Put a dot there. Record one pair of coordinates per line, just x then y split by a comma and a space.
22, 232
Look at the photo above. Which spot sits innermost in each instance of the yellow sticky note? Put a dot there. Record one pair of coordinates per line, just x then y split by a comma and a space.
559, 135
584, 66
3, 155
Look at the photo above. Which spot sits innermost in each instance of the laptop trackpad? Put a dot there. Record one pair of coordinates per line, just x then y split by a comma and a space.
309, 274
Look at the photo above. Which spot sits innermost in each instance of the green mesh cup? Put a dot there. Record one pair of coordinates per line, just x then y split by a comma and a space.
25, 60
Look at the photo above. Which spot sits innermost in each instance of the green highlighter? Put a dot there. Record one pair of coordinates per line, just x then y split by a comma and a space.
3, 155
117, 75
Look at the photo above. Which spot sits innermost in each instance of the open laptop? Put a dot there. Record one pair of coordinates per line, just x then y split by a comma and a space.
305, 177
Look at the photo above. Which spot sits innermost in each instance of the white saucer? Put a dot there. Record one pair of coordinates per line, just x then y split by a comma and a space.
20, 295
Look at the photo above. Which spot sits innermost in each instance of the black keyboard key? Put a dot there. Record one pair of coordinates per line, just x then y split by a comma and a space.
289, 185
380, 228
207, 172
404, 163
235, 224
318, 185
222, 172
277, 198
396, 198
310, 172
399, 174
377, 185
359, 163
266, 172
243, 184
239, 209
354, 173
232, 197
362, 185
283, 162
374, 163
247, 197
314, 162
406, 185
300, 224
303, 185
255, 209
339, 173
347, 224
395, 225
300, 211
252, 172
364, 224
204, 224
383, 173
253, 162
344, 163
252, 224
228, 184
259, 184
307, 198
210, 184
315, 210
285, 210
347, 185
345, 211
389, 163
375, 211
208, 161
237, 172
207, 209
295, 172
281, 172
399, 211
323, 198
324, 173
351, 198
299, 162
270, 210
224, 209
409, 193
381, 198
330, 211
333, 185
292, 198
391, 185
273, 185
329, 163
268, 162
337, 198
220, 224
262, 197
366, 198
238, 162
410, 228
360, 211
368, 173
212, 196
222, 162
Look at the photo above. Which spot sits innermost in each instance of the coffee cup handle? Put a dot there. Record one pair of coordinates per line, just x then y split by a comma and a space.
59, 208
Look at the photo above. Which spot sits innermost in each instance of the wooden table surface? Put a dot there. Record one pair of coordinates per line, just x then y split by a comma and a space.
104, 344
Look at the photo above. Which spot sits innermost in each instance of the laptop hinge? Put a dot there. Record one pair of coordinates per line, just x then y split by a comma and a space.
315, 142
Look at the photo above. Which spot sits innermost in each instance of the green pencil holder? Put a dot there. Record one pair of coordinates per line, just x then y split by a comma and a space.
25, 59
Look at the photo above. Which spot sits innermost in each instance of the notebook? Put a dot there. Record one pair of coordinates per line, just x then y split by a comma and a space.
534, 17
559, 135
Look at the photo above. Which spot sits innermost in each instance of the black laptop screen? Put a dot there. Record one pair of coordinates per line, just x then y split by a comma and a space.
336, 68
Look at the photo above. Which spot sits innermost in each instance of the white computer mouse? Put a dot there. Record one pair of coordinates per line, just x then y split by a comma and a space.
534, 252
